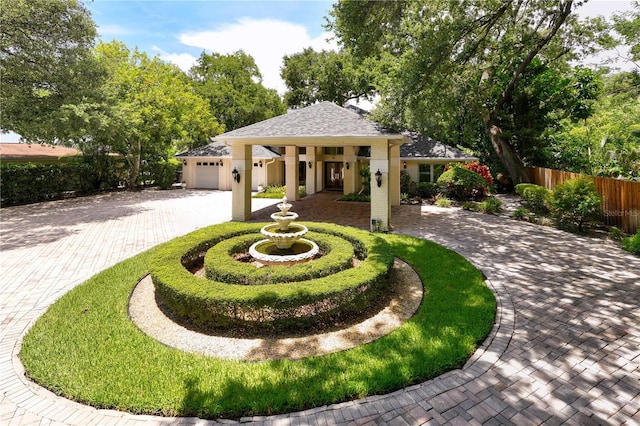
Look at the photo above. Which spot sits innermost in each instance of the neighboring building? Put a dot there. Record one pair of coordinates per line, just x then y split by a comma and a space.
36, 153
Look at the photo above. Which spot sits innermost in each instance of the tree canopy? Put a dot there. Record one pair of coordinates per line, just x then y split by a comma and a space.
233, 86
313, 77
151, 107
448, 63
46, 64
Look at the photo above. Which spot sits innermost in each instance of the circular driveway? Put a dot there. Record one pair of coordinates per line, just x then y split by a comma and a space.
565, 348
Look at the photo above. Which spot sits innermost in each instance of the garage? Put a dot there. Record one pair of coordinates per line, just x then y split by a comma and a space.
207, 175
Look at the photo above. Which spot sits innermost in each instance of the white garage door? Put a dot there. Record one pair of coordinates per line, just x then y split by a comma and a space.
207, 174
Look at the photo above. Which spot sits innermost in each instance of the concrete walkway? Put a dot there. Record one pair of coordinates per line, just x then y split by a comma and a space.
565, 348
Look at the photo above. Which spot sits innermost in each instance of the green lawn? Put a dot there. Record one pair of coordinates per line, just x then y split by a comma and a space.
86, 348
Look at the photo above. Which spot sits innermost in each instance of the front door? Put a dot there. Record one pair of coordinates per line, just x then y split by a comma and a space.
333, 176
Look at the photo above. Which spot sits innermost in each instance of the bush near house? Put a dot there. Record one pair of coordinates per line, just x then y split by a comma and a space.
462, 184
576, 202
538, 198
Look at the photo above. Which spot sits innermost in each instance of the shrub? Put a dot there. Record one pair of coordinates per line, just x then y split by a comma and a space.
428, 189
462, 184
354, 196
443, 202
212, 305
162, 173
632, 244
538, 198
482, 170
491, 205
221, 266
521, 214
470, 206
33, 183
616, 234
576, 202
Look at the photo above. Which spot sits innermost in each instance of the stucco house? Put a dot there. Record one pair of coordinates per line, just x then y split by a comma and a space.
204, 167
323, 146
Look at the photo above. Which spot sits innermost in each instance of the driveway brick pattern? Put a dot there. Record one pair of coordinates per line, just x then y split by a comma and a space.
565, 348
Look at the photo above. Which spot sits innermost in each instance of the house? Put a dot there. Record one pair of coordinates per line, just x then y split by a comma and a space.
324, 147
36, 153
204, 167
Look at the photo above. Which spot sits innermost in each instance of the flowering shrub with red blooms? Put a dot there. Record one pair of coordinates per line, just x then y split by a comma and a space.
481, 170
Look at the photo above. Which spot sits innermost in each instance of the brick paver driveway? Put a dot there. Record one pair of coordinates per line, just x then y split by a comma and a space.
565, 349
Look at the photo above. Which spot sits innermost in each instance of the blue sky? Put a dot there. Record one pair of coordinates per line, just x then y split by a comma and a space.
179, 30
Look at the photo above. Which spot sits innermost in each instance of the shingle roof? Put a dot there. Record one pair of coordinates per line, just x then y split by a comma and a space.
421, 146
324, 119
219, 149
24, 150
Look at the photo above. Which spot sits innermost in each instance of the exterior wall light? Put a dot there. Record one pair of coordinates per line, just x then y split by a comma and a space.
310, 164
347, 164
236, 175
404, 164
221, 164
379, 178
184, 162
260, 162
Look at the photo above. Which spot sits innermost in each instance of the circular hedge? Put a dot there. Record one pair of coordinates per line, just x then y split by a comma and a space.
220, 265
215, 306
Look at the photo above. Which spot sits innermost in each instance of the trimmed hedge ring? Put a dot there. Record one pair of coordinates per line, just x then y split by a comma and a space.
216, 306
221, 266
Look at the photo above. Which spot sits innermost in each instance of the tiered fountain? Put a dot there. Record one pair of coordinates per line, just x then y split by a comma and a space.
284, 244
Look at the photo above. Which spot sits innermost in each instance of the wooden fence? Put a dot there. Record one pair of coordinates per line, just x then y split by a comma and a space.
621, 205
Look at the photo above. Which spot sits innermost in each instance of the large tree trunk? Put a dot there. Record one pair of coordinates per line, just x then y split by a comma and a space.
509, 158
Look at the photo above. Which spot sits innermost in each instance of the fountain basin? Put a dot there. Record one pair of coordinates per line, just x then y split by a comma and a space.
268, 253
283, 238
283, 219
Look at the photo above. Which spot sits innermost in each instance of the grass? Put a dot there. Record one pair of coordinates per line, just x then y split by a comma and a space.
86, 348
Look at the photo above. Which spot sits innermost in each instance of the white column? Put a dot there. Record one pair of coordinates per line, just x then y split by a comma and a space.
291, 172
241, 191
311, 172
394, 176
379, 194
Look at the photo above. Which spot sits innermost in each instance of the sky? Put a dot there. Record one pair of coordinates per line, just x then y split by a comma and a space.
180, 30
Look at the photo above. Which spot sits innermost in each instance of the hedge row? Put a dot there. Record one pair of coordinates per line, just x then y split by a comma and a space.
33, 183
26, 183
220, 265
211, 305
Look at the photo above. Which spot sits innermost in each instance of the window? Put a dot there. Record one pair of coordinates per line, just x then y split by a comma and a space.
199, 163
334, 150
425, 173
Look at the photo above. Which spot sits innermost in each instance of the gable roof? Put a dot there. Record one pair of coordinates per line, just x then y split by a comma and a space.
324, 119
220, 149
25, 150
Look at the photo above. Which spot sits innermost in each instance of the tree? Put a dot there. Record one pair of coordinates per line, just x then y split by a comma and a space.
313, 76
151, 108
233, 86
607, 143
462, 59
46, 65
627, 25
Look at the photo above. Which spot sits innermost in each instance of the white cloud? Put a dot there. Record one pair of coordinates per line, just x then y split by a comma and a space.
183, 60
113, 30
266, 40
